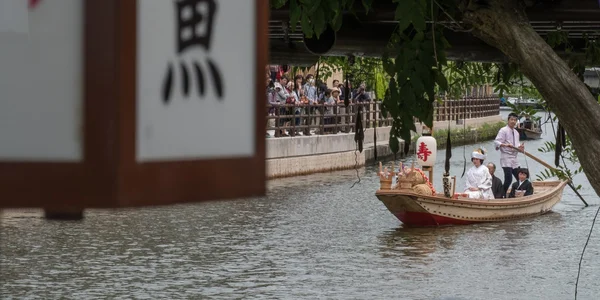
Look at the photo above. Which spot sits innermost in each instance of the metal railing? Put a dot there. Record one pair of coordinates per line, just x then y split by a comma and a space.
308, 119
466, 108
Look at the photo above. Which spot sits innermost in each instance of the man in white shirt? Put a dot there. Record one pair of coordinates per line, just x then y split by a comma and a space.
507, 138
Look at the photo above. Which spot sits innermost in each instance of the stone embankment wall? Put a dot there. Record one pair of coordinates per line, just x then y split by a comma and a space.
301, 155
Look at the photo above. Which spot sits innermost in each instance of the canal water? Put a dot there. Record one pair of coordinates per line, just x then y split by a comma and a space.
311, 237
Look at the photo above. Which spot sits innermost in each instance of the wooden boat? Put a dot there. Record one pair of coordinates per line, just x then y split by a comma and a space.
529, 130
415, 208
529, 134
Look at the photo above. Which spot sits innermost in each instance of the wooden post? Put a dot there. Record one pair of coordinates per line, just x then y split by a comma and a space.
453, 185
430, 170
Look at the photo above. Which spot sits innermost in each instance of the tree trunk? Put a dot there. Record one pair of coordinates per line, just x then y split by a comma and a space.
504, 25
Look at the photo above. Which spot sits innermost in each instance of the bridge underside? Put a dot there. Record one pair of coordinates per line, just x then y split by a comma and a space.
367, 34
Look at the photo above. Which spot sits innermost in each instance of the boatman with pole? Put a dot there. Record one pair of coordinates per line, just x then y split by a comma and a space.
507, 138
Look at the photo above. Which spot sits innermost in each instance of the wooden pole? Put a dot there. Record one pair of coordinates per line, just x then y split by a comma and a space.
545, 164
453, 185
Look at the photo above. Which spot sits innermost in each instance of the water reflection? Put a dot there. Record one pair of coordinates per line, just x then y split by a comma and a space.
417, 243
311, 237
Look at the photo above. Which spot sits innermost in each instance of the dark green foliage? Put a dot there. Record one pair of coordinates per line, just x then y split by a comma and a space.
315, 15
418, 70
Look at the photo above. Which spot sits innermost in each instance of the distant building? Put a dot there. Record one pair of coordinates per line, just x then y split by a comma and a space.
592, 78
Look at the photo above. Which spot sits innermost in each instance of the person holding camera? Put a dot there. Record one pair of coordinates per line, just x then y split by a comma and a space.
361, 94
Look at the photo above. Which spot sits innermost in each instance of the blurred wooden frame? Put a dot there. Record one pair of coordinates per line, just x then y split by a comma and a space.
109, 175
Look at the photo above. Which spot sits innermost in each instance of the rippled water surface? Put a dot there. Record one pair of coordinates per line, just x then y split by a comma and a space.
311, 237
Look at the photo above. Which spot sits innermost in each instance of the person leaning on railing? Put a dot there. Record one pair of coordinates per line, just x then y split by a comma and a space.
341, 109
280, 97
329, 105
298, 94
310, 92
270, 93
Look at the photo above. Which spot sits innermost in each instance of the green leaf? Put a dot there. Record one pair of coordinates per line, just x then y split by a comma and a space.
394, 143
419, 37
348, 3
313, 5
333, 6
427, 46
388, 64
306, 26
318, 22
407, 96
417, 84
404, 9
277, 3
418, 20
403, 14
394, 99
423, 68
337, 22
295, 12
367, 5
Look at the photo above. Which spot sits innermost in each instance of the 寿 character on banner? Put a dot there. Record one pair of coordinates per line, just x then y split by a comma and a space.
423, 152
195, 20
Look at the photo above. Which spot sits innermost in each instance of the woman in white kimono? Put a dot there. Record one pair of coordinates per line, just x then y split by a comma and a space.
479, 179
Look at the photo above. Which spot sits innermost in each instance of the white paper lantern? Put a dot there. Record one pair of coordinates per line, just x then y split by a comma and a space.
426, 151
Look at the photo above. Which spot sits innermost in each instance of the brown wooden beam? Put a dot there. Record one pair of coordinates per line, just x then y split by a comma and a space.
370, 40
566, 10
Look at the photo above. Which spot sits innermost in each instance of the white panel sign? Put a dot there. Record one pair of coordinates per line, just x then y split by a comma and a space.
195, 79
41, 77
14, 16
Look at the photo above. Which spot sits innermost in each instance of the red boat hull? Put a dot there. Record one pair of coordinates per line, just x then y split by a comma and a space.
427, 219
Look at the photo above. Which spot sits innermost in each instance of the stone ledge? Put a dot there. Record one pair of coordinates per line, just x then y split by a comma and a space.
287, 147
303, 165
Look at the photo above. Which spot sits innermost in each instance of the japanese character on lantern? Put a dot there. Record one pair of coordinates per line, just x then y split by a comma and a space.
423, 152
195, 20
